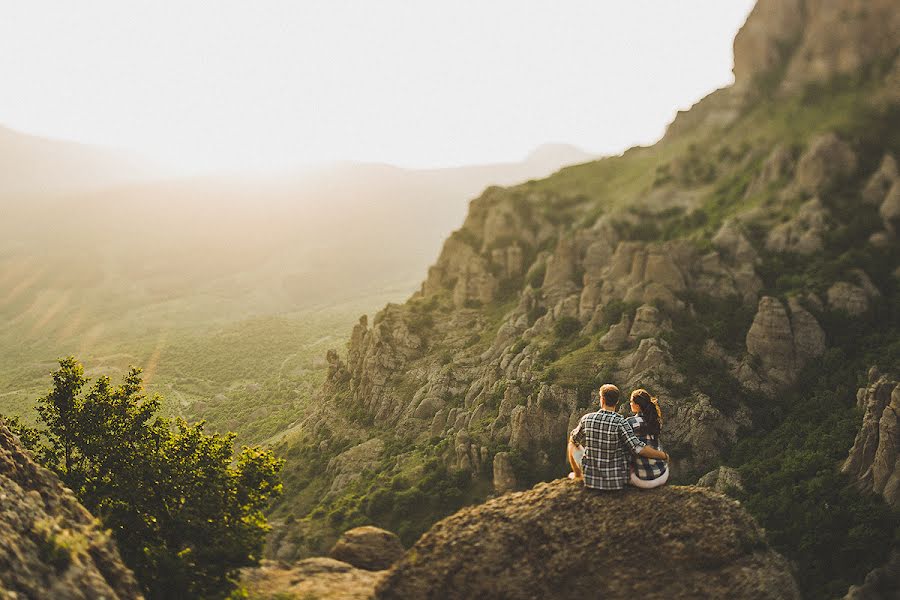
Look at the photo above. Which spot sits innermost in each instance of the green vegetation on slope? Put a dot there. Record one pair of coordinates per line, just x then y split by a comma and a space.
185, 510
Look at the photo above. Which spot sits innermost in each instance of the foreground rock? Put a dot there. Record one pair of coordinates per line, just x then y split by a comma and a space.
320, 578
50, 545
368, 548
560, 541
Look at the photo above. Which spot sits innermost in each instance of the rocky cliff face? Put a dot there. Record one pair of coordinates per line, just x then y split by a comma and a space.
559, 540
874, 460
813, 41
50, 546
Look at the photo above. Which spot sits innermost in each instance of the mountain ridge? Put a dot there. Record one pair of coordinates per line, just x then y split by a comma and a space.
723, 266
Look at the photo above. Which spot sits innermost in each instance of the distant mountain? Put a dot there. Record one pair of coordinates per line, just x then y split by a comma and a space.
36, 166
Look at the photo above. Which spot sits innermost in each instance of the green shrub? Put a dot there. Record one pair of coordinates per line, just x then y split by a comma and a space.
536, 276
566, 327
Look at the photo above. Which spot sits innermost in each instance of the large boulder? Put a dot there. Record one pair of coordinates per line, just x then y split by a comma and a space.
50, 545
368, 548
321, 578
559, 540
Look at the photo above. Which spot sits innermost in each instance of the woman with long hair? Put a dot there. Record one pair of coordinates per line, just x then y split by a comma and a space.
647, 424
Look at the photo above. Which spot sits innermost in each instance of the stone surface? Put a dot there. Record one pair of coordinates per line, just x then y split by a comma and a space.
368, 548
804, 234
50, 545
874, 460
320, 578
504, 476
880, 181
722, 480
827, 162
779, 345
841, 38
766, 39
849, 298
890, 209
534, 544
347, 467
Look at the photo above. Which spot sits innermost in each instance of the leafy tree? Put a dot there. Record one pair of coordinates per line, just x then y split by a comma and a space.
185, 511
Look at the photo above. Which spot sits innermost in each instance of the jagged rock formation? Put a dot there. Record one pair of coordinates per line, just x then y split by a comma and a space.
812, 41
779, 345
50, 546
559, 540
368, 548
874, 460
705, 268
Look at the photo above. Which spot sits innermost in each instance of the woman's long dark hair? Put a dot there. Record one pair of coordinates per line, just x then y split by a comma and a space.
649, 411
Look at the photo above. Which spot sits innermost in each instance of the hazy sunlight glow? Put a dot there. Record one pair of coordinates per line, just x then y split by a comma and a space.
225, 84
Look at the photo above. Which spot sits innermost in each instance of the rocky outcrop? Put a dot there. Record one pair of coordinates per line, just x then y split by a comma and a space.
536, 544
346, 467
778, 167
788, 44
320, 578
723, 479
697, 432
882, 583
50, 546
852, 298
368, 548
874, 460
890, 209
804, 233
827, 162
779, 344
841, 38
766, 40
504, 477
881, 181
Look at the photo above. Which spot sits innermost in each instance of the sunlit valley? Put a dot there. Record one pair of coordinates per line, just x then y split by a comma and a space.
226, 290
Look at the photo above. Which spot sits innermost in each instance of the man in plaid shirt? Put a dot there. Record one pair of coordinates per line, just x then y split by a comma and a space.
606, 436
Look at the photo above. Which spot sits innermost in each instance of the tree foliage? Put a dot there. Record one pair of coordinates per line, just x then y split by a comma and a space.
186, 512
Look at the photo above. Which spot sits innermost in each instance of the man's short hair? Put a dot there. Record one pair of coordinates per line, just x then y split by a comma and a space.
609, 394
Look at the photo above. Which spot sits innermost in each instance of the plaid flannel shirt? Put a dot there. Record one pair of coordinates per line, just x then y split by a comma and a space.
646, 468
606, 437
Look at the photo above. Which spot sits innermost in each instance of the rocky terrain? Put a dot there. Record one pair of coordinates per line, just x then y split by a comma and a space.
50, 546
726, 268
559, 540
744, 269
555, 540
874, 460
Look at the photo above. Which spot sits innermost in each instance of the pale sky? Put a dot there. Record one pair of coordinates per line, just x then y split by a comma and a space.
418, 83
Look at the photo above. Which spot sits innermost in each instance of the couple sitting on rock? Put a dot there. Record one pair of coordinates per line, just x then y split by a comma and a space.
601, 445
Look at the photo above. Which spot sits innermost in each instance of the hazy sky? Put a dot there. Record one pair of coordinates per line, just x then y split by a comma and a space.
409, 82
